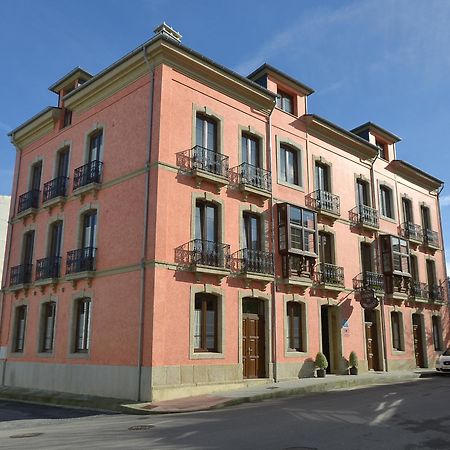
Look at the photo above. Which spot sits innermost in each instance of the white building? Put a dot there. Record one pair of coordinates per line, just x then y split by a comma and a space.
4, 212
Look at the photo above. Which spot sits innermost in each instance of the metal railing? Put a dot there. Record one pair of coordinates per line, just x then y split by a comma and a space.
250, 175
369, 280
430, 238
55, 188
255, 261
204, 253
436, 292
20, 274
412, 231
49, 267
330, 274
81, 260
298, 266
89, 173
364, 215
28, 200
201, 158
324, 201
418, 289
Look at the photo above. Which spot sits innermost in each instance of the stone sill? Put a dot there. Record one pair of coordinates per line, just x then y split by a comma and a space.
60, 200
27, 212
249, 189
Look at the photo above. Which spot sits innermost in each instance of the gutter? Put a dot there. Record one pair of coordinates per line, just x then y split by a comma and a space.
151, 70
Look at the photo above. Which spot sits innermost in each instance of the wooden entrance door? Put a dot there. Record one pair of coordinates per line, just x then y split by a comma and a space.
253, 339
417, 338
373, 362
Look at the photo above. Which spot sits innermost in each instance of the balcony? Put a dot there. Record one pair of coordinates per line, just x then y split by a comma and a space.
204, 257
364, 216
324, 203
252, 180
431, 239
88, 177
418, 291
436, 293
253, 264
20, 275
48, 268
28, 203
330, 276
298, 270
81, 263
412, 232
55, 191
369, 280
398, 286
204, 165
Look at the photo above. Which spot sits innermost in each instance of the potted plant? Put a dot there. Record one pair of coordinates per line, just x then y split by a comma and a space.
353, 363
321, 363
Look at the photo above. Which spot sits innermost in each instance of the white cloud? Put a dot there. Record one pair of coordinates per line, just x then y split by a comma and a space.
445, 200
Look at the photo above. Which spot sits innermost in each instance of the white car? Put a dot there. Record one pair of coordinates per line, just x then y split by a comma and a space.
443, 362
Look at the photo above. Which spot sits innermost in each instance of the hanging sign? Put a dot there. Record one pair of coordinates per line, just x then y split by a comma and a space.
368, 299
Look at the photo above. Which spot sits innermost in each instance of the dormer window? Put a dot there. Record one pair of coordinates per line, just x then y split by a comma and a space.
382, 149
67, 117
285, 102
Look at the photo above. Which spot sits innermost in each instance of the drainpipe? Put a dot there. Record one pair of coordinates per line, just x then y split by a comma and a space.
151, 70
383, 321
9, 235
272, 227
438, 193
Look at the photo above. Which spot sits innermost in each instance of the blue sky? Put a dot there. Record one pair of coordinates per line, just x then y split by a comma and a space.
379, 60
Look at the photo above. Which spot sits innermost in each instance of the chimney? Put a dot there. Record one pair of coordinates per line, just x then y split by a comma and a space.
166, 30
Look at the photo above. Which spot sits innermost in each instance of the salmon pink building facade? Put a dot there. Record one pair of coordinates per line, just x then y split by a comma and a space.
177, 229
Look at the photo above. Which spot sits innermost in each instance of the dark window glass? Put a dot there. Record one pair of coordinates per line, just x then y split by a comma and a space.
407, 210
49, 326
36, 172
294, 326
19, 338
326, 248
366, 257
83, 318
205, 323
67, 117
426, 222
250, 150
28, 246
56, 239
63, 162
414, 268
206, 221
362, 188
89, 237
322, 177
382, 149
437, 341
395, 255
431, 273
386, 202
206, 132
396, 331
95, 145
252, 231
289, 167
285, 102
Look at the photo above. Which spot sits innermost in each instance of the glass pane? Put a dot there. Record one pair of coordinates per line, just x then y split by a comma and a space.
198, 222
295, 215
290, 161
211, 136
199, 133
309, 241
296, 238
308, 219
210, 329
197, 323
253, 152
283, 164
211, 224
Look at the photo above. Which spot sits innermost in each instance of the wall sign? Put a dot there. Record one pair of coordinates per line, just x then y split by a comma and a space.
368, 299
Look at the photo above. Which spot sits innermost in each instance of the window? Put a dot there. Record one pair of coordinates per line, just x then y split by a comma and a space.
55, 239
67, 117
382, 149
322, 177
285, 102
82, 324
386, 202
27, 255
89, 232
206, 221
205, 323
36, 172
95, 146
48, 329
437, 333
297, 230
362, 192
431, 275
294, 332
426, 220
407, 210
326, 248
19, 335
414, 268
206, 132
366, 257
250, 150
289, 165
62, 162
396, 325
395, 255
252, 231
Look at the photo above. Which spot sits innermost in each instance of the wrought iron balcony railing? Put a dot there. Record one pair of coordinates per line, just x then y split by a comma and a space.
364, 215
254, 261
249, 175
435, 292
81, 260
412, 231
369, 280
324, 201
204, 253
20, 274
88, 173
431, 238
55, 188
28, 200
201, 158
330, 274
49, 267
418, 289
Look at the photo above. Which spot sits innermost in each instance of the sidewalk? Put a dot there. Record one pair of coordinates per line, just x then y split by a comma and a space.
302, 386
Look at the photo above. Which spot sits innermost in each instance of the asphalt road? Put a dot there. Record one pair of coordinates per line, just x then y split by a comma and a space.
403, 416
